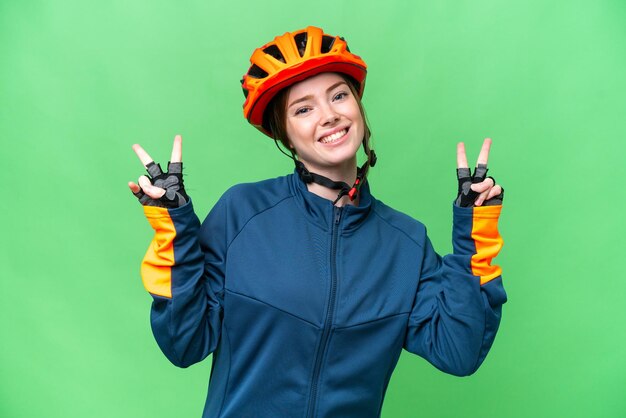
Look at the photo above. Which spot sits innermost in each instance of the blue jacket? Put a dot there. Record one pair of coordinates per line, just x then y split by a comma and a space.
306, 306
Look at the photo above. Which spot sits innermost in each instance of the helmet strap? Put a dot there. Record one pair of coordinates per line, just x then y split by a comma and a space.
344, 188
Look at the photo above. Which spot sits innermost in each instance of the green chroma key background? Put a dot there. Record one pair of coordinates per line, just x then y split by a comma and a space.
81, 81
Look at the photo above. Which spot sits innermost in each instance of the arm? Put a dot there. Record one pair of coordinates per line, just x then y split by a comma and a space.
459, 300
185, 284
184, 275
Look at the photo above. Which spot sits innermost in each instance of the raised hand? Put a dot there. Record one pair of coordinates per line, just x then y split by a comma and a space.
161, 189
476, 189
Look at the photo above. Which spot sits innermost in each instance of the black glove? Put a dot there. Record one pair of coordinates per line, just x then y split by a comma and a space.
172, 181
467, 196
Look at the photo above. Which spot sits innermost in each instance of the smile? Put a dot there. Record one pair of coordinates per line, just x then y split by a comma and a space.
333, 137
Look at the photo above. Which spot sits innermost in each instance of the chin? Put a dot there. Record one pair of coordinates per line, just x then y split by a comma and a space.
342, 159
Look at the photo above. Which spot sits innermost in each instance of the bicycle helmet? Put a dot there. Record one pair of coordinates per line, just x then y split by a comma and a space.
291, 58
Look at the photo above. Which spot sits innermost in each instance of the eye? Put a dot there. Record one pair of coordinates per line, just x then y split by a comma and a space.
301, 110
340, 95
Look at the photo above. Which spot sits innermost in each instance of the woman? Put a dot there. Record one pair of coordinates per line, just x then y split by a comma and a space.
305, 287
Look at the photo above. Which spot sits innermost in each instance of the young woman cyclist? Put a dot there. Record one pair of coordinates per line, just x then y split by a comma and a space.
305, 288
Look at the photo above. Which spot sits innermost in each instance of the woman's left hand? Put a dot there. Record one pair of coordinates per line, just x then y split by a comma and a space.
476, 189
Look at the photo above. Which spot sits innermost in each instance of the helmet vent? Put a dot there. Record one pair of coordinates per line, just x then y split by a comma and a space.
342, 38
257, 72
275, 52
301, 39
327, 43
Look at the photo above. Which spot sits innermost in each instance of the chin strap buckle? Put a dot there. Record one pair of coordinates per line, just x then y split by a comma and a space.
352, 194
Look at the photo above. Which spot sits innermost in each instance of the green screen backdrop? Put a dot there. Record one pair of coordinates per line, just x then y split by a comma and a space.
81, 81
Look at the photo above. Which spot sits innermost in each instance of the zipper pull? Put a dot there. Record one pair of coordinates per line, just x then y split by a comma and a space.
337, 215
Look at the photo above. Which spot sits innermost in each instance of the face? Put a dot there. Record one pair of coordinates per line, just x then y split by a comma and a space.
324, 123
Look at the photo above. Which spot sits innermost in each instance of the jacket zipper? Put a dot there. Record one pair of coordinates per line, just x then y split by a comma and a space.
329, 313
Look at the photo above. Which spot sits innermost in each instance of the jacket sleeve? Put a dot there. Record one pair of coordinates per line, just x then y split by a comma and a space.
458, 304
183, 270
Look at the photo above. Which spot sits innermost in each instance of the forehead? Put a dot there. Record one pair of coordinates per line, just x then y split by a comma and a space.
316, 84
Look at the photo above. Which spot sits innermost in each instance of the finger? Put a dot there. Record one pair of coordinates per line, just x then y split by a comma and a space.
484, 152
481, 198
133, 187
495, 191
152, 191
461, 159
154, 169
483, 186
177, 150
142, 154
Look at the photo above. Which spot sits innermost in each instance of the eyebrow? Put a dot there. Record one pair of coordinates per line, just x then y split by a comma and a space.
308, 97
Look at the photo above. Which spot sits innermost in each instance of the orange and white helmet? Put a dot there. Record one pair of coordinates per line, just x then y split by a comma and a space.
291, 58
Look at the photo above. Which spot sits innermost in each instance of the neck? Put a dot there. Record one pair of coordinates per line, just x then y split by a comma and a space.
344, 172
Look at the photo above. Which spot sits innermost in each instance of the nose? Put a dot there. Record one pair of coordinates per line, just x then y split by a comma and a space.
329, 116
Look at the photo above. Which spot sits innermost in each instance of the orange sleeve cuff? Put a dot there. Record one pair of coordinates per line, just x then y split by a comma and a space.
156, 267
488, 242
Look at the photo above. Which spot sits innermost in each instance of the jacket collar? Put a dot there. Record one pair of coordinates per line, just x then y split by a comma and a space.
321, 211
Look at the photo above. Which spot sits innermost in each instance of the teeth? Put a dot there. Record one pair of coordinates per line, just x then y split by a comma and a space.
333, 137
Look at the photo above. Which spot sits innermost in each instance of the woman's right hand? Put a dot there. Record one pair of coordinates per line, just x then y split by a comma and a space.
161, 189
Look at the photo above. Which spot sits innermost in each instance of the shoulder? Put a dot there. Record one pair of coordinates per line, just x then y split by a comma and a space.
275, 188
245, 200
259, 194
400, 222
